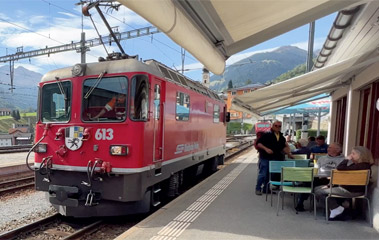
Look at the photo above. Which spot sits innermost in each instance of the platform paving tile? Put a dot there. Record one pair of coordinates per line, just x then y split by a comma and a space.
226, 207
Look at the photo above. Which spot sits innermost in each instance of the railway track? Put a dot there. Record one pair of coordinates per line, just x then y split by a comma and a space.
16, 184
55, 226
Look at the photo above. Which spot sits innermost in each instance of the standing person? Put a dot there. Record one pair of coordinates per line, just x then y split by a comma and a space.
271, 146
321, 146
360, 158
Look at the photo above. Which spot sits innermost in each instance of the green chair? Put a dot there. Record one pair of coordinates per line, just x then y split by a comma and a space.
276, 167
296, 175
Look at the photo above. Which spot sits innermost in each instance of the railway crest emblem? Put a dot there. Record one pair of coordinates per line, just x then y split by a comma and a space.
74, 136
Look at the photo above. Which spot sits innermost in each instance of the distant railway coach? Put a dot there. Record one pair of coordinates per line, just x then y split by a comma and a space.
262, 127
114, 137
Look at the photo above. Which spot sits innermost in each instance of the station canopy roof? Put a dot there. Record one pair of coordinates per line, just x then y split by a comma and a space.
213, 30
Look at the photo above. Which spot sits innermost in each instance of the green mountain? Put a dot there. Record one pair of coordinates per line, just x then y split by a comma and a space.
24, 95
259, 68
297, 71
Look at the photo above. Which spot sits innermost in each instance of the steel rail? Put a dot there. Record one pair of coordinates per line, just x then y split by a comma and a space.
29, 227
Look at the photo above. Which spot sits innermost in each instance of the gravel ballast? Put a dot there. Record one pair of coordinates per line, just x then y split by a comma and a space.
18, 209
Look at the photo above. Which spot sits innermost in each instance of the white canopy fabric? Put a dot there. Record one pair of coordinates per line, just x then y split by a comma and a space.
327, 79
213, 30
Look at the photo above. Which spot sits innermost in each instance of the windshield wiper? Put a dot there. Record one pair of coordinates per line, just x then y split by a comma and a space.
99, 78
61, 88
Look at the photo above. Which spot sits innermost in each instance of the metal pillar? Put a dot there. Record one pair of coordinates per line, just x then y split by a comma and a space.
304, 128
310, 46
319, 121
83, 48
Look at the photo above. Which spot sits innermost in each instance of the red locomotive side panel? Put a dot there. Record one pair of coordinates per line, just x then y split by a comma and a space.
111, 133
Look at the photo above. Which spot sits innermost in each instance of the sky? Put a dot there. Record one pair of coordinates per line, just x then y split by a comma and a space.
35, 24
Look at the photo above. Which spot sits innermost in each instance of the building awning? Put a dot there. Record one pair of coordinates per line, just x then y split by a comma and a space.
240, 106
213, 30
292, 91
318, 104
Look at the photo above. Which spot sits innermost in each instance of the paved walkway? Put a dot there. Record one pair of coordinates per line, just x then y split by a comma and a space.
225, 207
12, 159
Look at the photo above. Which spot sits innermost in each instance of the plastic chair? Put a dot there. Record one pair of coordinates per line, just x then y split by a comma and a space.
349, 178
276, 167
296, 175
302, 163
300, 156
316, 156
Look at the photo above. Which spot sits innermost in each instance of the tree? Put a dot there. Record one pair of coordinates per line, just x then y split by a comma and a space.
248, 81
15, 115
230, 84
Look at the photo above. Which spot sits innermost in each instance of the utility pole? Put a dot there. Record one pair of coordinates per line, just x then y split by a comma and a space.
81, 47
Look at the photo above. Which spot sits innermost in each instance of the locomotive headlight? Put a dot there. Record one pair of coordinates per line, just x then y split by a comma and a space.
41, 148
119, 150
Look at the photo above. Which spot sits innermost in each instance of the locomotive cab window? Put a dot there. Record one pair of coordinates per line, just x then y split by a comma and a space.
139, 98
104, 99
216, 113
182, 106
56, 102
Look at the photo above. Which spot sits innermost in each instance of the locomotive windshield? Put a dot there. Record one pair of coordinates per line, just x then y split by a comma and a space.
56, 102
104, 99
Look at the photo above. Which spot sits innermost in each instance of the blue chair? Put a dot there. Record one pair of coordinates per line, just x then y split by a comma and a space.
276, 167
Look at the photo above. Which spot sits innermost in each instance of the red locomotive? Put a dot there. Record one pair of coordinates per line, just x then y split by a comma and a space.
113, 137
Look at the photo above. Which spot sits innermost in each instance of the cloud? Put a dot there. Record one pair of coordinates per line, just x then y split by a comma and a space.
60, 28
318, 43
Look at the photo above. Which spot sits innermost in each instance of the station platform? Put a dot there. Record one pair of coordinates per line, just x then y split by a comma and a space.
14, 159
224, 206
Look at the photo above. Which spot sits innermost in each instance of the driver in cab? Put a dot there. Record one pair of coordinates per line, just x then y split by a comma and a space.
118, 100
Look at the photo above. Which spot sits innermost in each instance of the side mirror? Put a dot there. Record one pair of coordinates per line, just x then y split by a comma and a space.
227, 117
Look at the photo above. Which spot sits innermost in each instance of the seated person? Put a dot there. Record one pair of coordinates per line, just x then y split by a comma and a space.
321, 146
325, 165
359, 159
290, 143
118, 100
303, 148
311, 142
